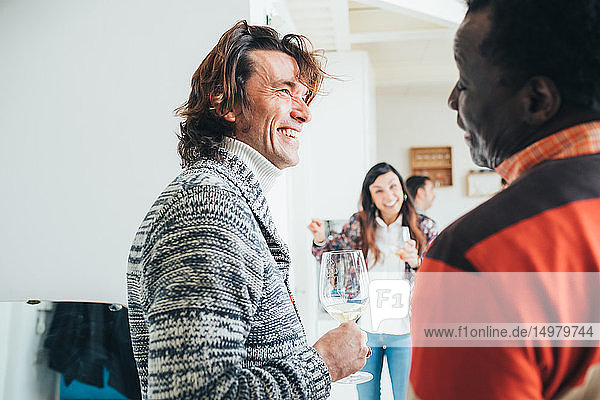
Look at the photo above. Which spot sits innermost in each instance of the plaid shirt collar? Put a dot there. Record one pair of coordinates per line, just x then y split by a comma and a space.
574, 141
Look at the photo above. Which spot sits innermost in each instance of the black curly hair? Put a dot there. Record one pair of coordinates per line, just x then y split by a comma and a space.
559, 39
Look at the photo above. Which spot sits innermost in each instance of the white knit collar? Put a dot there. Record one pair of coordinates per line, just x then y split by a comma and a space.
266, 173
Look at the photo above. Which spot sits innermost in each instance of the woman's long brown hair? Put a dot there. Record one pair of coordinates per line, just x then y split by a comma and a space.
368, 214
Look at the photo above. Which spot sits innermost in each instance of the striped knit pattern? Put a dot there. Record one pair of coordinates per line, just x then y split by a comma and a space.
210, 310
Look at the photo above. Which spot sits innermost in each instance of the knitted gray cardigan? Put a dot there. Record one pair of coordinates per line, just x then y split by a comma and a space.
210, 310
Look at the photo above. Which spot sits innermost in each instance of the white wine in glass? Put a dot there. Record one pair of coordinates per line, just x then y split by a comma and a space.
344, 292
346, 311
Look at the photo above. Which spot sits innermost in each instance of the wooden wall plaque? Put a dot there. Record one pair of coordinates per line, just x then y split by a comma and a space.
434, 162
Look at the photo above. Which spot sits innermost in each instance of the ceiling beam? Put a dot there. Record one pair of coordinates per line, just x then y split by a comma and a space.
444, 12
401, 36
415, 74
341, 24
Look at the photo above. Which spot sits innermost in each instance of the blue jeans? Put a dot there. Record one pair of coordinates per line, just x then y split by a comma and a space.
397, 349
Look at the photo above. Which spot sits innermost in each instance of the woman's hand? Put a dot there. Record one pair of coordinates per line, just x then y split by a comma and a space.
317, 228
409, 253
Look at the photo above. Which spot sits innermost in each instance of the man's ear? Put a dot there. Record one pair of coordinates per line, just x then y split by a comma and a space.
420, 192
216, 101
230, 116
541, 100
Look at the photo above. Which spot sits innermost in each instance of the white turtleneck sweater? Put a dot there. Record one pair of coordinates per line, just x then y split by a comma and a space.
266, 173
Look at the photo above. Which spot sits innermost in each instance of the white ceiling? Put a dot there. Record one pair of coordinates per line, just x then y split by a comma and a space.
409, 41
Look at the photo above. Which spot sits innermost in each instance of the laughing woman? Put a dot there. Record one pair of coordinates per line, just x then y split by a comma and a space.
377, 229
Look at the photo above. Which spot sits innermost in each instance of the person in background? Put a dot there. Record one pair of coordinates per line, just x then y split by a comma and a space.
528, 101
210, 307
377, 229
420, 189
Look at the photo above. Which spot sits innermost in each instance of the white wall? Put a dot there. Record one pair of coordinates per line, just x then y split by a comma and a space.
87, 142
87, 133
417, 116
337, 148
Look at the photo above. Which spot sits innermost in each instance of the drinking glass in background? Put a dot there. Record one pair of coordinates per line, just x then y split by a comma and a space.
344, 292
400, 248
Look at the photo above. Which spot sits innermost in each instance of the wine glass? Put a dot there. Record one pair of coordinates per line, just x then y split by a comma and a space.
399, 248
344, 292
